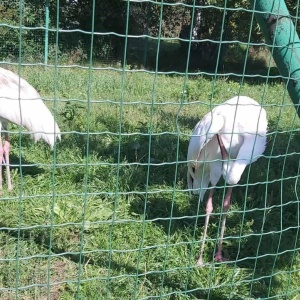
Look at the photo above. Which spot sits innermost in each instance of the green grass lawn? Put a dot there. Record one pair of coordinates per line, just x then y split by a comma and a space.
107, 215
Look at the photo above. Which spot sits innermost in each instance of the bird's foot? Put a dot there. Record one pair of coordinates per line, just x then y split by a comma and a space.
201, 264
219, 257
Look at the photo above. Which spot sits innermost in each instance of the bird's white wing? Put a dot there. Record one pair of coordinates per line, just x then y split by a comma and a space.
204, 131
199, 147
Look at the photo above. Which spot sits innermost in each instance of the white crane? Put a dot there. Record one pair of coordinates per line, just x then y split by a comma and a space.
21, 104
224, 142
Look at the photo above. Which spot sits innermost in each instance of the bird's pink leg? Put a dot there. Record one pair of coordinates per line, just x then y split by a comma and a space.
209, 209
226, 205
1, 163
6, 149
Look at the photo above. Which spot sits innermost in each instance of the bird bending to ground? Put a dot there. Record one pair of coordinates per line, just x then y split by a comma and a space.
21, 104
224, 142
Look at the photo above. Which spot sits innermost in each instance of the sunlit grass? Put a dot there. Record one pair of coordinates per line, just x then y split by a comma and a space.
106, 216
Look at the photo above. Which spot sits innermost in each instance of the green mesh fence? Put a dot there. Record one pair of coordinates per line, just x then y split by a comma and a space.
107, 213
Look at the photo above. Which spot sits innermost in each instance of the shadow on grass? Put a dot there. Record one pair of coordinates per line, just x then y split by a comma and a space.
170, 57
28, 167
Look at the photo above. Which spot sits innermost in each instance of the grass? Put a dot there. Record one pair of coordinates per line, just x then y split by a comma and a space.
107, 214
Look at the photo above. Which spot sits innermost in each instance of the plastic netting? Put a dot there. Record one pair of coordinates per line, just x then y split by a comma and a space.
107, 213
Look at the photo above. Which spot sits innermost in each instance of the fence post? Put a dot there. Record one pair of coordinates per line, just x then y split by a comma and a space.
281, 37
46, 33
146, 44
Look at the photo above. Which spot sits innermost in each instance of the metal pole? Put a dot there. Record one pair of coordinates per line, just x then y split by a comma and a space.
46, 33
146, 38
279, 31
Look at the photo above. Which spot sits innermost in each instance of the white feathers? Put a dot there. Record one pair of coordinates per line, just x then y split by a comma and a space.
242, 125
21, 104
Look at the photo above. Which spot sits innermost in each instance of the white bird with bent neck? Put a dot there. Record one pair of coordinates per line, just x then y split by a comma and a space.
21, 104
223, 143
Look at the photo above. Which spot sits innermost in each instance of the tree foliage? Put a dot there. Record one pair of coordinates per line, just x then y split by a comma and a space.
195, 20
12, 15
